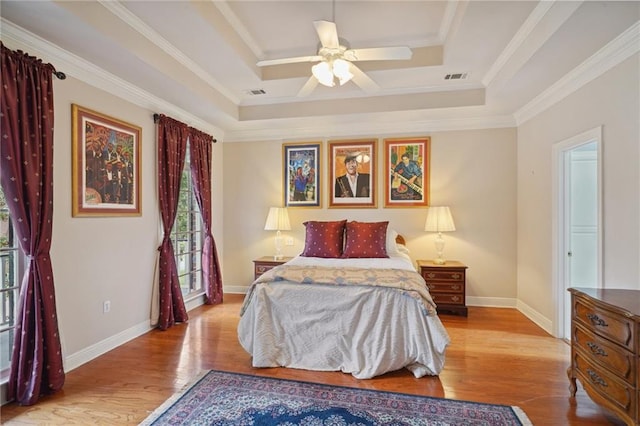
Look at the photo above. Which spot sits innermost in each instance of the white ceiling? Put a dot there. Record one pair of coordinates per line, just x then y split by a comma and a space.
196, 60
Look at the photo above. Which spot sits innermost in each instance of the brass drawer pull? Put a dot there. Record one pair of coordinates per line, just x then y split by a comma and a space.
596, 320
431, 275
596, 350
455, 276
596, 379
455, 287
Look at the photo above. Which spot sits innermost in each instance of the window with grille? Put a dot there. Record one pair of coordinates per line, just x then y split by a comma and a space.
186, 236
11, 271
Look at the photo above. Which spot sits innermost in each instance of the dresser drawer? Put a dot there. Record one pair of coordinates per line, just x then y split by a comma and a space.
613, 326
613, 357
602, 385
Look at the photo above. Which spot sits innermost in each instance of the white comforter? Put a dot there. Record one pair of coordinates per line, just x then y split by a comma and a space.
358, 329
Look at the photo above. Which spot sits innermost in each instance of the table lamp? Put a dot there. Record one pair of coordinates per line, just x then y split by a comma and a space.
439, 220
277, 220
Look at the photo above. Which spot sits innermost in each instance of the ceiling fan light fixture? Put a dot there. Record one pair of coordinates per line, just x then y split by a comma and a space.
341, 69
322, 72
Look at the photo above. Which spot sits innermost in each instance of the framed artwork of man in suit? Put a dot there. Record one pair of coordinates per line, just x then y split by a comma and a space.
352, 167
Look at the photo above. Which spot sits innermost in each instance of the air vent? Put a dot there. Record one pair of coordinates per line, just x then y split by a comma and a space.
456, 76
256, 92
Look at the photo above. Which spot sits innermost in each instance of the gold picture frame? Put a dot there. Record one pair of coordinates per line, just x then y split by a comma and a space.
352, 173
106, 179
406, 172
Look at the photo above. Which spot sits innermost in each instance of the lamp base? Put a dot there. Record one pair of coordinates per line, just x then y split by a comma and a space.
439, 261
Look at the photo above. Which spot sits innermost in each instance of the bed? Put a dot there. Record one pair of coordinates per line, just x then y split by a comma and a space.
352, 301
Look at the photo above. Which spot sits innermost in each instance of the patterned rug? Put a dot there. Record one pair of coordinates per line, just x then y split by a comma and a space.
220, 398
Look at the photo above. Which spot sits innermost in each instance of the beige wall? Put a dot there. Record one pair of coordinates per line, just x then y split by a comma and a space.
474, 172
610, 101
111, 258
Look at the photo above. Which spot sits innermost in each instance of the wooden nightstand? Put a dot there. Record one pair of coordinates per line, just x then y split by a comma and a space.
263, 264
446, 284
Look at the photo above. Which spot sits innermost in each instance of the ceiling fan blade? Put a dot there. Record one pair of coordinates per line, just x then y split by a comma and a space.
378, 54
308, 87
363, 81
327, 33
294, 60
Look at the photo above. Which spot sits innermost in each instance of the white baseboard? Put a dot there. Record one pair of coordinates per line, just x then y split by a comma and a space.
491, 302
85, 355
543, 322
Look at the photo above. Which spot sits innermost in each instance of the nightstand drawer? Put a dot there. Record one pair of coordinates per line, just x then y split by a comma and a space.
265, 263
445, 287
447, 299
451, 275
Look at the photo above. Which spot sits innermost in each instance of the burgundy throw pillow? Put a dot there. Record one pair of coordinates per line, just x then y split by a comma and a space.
323, 239
365, 239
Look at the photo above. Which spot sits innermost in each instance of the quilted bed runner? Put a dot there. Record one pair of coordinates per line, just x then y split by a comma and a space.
222, 398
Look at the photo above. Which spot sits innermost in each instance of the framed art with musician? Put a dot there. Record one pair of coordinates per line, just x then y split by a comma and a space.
407, 172
106, 165
301, 174
352, 174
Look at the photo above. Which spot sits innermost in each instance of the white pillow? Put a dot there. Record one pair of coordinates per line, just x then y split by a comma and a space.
392, 246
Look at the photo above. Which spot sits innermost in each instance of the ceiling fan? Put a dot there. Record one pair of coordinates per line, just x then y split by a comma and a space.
335, 60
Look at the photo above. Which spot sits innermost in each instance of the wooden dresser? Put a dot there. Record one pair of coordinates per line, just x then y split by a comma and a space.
605, 347
447, 284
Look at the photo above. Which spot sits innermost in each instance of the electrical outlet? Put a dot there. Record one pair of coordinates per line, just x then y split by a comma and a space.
289, 241
106, 306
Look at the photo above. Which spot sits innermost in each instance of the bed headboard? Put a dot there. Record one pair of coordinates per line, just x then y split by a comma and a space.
400, 240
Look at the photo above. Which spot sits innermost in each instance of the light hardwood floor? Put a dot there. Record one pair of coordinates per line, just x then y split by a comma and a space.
496, 356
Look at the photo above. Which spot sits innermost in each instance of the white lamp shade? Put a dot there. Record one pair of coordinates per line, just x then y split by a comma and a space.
322, 72
277, 220
439, 219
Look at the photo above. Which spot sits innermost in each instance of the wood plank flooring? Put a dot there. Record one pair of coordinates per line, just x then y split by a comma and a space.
496, 356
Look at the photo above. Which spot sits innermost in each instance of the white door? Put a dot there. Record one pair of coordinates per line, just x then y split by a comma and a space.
578, 227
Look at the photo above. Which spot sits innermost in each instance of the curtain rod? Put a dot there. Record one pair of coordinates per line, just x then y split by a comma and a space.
156, 117
60, 75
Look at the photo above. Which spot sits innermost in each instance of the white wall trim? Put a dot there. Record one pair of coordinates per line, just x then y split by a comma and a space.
535, 316
491, 302
89, 353
74, 66
612, 54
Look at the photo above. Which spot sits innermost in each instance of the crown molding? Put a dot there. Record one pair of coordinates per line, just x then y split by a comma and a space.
612, 54
373, 127
74, 66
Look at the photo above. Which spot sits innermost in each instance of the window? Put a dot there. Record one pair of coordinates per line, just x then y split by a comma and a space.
186, 236
11, 270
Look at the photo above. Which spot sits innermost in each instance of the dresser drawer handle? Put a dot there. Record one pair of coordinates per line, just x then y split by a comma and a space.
431, 275
455, 287
455, 298
455, 276
596, 379
596, 350
596, 320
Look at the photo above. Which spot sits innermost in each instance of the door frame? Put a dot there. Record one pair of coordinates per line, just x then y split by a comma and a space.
559, 212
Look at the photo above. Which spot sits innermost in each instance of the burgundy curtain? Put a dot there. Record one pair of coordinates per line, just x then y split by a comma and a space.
172, 149
201, 153
26, 175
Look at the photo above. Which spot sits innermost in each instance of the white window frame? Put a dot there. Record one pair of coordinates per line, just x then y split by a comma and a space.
187, 237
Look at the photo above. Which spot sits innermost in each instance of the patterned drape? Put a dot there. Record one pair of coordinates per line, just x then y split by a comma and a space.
172, 149
201, 153
26, 175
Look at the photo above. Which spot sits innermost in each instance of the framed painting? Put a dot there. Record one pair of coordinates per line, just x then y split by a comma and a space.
301, 174
106, 165
407, 172
352, 173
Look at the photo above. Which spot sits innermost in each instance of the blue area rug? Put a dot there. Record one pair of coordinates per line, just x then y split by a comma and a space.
219, 398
